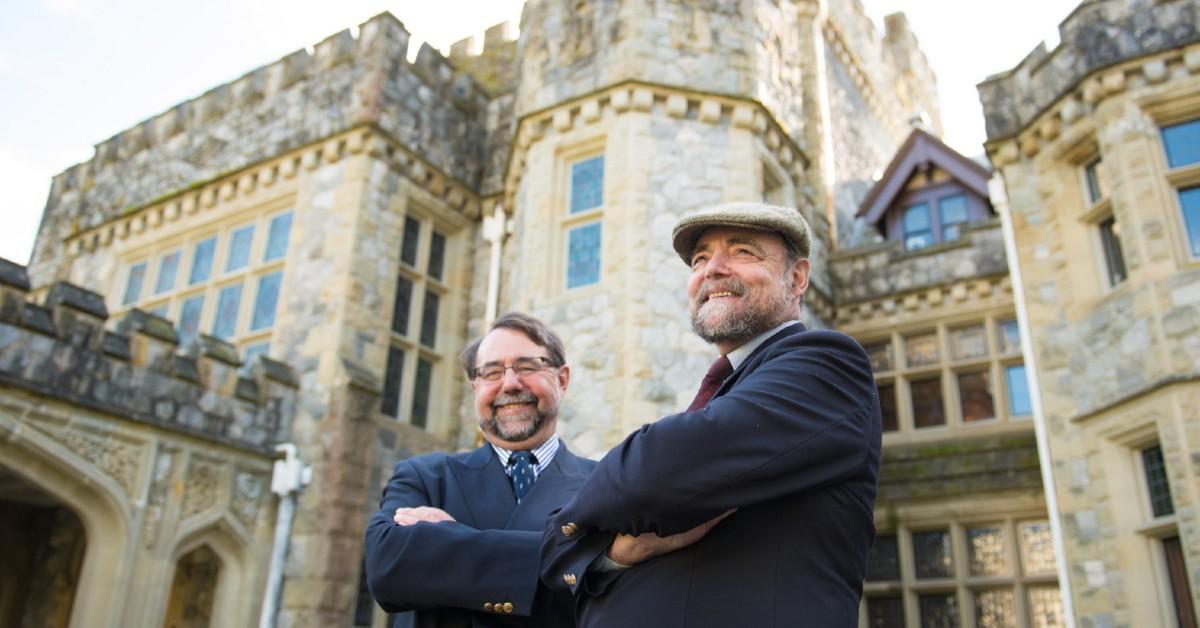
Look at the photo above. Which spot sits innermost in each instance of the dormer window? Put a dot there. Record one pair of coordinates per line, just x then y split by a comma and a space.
918, 232
953, 213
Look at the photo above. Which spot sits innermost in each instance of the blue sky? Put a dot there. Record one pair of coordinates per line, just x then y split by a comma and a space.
75, 72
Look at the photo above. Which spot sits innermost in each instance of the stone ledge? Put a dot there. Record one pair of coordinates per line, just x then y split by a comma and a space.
959, 467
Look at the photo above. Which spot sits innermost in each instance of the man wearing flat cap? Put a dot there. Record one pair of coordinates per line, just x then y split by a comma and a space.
753, 507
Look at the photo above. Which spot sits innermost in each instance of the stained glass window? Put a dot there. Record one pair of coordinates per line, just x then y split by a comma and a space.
265, 301
927, 402
429, 319
1189, 203
168, 266
228, 301
1182, 142
921, 350
1156, 481
277, 236
437, 255
953, 213
968, 342
975, 396
887, 406
189, 317
239, 248
401, 305
881, 355
1045, 607
587, 184
410, 240
1008, 336
583, 255
1037, 547
995, 609
1019, 403
391, 381
918, 230
931, 551
985, 551
202, 261
938, 610
885, 611
421, 391
133, 286
883, 561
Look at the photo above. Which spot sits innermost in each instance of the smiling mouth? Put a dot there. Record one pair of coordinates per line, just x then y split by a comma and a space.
718, 295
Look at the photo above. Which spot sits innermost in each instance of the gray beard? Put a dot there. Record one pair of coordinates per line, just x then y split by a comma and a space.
739, 328
493, 427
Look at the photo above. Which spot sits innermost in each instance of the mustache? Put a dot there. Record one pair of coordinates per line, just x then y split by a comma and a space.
507, 398
723, 285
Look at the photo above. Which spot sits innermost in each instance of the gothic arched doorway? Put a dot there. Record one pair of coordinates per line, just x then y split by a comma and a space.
193, 589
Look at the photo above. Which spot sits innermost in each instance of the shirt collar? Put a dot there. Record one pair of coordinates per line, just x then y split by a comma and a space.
544, 453
739, 355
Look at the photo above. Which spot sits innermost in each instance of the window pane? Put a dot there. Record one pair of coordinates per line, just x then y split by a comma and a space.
391, 381
255, 350
1008, 336
1093, 175
921, 350
1182, 142
1157, 486
881, 355
887, 406
408, 243
265, 301
401, 305
931, 551
883, 561
938, 610
429, 322
420, 407
968, 342
189, 317
202, 261
437, 255
1114, 258
133, 286
1037, 547
927, 402
277, 236
160, 311
985, 551
916, 226
239, 248
228, 301
995, 609
1189, 202
1018, 390
885, 611
975, 396
1045, 608
953, 212
583, 255
587, 184
168, 266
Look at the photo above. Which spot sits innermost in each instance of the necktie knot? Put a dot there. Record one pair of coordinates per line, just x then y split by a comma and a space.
716, 374
521, 472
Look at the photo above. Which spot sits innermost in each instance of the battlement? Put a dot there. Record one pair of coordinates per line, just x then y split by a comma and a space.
138, 371
495, 65
1097, 35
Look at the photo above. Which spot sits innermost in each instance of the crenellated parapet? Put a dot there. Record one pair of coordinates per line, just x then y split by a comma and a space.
138, 371
494, 66
1100, 42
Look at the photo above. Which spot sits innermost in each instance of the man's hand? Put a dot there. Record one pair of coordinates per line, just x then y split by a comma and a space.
630, 550
409, 516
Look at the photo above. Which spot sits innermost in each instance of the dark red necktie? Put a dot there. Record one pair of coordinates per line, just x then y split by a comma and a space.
712, 381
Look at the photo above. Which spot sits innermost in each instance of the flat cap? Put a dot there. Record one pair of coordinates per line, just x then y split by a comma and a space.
785, 221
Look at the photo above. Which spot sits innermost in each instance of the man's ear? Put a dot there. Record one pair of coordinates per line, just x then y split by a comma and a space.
800, 271
564, 377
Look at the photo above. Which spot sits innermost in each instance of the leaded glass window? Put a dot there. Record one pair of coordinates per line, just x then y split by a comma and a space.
885, 611
410, 240
277, 236
881, 355
1008, 336
1182, 143
887, 406
133, 285
239, 248
927, 406
952, 210
883, 561
421, 392
392, 376
1157, 486
1037, 547
921, 350
429, 319
938, 610
265, 301
918, 229
975, 396
995, 609
229, 299
1114, 258
1019, 403
968, 342
986, 553
1189, 204
202, 261
168, 266
189, 317
587, 184
1093, 177
931, 550
437, 255
583, 255
401, 305
1045, 607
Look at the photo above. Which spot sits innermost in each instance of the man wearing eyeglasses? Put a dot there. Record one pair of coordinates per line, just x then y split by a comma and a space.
456, 538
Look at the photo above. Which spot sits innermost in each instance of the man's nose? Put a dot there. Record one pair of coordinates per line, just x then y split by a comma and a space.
510, 380
717, 265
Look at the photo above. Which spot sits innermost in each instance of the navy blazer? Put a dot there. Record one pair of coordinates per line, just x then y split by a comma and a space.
792, 440
446, 572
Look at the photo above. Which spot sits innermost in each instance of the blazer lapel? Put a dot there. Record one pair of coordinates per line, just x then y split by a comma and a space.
486, 490
751, 360
554, 487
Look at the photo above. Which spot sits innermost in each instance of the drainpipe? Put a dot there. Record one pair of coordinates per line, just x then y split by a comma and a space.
999, 197
289, 477
495, 228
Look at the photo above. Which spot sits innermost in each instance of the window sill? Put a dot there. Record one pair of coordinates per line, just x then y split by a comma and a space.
1159, 527
1097, 211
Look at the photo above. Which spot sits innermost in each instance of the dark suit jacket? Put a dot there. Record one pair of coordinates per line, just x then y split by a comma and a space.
446, 572
792, 440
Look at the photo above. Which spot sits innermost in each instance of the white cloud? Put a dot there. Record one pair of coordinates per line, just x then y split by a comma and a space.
70, 8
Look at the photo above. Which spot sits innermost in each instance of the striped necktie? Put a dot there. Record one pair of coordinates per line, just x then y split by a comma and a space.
521, 473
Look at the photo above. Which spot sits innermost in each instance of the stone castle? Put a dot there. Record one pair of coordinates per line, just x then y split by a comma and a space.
299, 255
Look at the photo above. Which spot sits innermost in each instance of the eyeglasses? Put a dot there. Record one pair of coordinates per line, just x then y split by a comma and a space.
523, 367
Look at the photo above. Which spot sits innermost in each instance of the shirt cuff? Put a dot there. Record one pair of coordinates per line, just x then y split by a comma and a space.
604, 564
